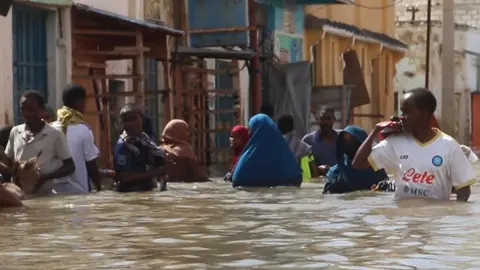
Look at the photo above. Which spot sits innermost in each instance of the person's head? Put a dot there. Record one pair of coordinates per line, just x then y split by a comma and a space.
49, 114
176, 131
286, 123
262, 124
350, 139
131, 117
32, 107
327, 119
74, 96
238, 137
267, 109
5, 135
418, 106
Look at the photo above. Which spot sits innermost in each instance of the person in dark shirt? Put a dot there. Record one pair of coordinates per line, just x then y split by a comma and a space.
138, 160
323, 141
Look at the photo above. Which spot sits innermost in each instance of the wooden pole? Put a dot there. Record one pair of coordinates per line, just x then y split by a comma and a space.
448, 69
139, 69
429, 29
255, 82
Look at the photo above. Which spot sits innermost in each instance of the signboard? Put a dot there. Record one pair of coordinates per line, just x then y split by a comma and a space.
218, 18
288, 48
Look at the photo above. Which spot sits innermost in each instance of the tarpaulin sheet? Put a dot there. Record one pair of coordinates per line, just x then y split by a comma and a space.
290, 92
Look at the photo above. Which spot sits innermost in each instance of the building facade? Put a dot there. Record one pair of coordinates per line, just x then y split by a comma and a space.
34, 53
368, 29
411, 70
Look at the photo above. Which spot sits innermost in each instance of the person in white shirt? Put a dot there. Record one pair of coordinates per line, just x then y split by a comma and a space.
425, 161
79, 137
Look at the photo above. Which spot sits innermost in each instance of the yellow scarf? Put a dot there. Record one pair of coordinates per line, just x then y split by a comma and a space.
68, 116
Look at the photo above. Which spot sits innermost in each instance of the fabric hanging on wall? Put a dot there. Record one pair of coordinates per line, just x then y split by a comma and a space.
353, 75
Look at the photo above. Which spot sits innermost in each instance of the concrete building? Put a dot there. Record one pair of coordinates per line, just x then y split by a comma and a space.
411, 29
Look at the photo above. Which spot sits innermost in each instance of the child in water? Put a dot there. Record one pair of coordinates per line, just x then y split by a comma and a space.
238, 140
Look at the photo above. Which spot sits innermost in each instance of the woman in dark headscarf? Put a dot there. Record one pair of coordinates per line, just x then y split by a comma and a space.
343, 178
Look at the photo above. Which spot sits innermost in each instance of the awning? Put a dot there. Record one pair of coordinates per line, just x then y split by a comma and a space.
88, 10
348, 30
47, 2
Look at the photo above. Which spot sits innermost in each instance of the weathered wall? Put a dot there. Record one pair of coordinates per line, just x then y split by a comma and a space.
411, 69
378, 79
6, 71
466, 11
379, 20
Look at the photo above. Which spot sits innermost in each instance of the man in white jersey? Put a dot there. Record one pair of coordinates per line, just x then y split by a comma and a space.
80, 139
425, 161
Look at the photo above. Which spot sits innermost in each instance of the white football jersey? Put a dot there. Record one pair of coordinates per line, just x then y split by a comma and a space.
423, 169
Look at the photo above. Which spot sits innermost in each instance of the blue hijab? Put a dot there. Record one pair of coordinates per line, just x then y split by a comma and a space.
267, 160
342, 178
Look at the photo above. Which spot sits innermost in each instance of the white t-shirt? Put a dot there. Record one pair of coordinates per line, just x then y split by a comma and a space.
82, 146
423, 170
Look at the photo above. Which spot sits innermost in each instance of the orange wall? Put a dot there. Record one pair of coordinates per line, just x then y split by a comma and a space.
329, 66
378, 20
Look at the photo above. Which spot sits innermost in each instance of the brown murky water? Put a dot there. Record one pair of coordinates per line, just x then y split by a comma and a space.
212, 226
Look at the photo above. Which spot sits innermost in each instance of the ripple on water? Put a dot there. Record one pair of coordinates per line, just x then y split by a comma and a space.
217, 227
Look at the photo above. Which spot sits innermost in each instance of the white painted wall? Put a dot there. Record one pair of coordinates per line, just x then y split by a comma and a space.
6, 71
411, 69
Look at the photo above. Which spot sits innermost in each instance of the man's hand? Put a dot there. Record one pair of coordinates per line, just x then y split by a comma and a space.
323, 169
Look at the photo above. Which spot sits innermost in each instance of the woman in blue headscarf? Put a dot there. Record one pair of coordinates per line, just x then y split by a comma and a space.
267, 160
342, 178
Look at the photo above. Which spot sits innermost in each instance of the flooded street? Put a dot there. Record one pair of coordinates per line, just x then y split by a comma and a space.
212, 226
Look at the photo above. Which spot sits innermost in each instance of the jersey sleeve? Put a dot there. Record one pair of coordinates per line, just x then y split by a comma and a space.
383, 156
461, 171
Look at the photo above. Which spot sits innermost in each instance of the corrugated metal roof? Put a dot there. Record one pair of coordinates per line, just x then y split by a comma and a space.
115, 16
49, 2
315, 22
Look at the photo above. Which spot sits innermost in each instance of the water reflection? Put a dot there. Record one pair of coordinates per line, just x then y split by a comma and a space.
211, 226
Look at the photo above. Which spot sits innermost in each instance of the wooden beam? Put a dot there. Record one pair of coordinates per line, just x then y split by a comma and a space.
109, 77
111, 95
130, 49
94, 32
210, 71
90, 65
211, 91
107, 53
139, 69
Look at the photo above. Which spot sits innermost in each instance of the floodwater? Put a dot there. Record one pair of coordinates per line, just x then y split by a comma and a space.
212, 226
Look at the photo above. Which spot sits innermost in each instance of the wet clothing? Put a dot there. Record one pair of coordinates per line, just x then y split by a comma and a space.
243, 134
267, 159
182, 164
137, 155
323, 151
342, 177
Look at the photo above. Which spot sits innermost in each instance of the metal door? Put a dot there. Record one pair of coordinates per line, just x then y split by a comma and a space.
224, 120
151, 100
29, 33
